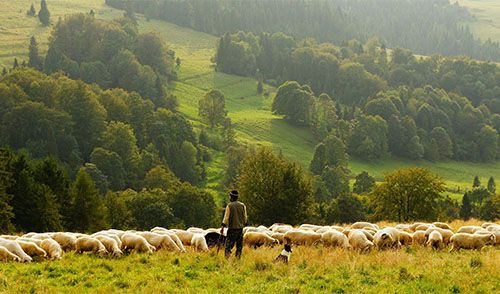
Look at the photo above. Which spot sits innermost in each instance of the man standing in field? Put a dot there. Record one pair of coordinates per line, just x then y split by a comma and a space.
235, 218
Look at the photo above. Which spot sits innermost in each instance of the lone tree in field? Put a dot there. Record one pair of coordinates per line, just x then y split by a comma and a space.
260, 88
466, 208
406, 195
32, 11
212, 108
34, 57
44, 14
16, 63
491, 185
476, 182
274, 189
4, 71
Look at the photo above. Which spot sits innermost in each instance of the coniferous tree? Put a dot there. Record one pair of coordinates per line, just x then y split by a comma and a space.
476, 182
44, 14
491, 185
5, 180
16, 63
260, 87
4, 71
466, 208
34, 58
32, 10
88, 210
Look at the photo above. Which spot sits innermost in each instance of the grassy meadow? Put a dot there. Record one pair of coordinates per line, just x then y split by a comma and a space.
413, 269
487, 13
251, 113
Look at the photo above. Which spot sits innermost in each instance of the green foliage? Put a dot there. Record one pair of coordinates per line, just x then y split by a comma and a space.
364, 183
160, 177
330, 152
111, 165
31, 12
293, 101
476, 183
350, 209
89, 212
6, 214
149, 209
212, 109
336, 179
407, 194
369, 138
34, 57
491, 185
274, 189
44, 14
193, 206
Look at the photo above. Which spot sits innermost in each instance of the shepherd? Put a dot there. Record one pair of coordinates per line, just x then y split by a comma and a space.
235, 219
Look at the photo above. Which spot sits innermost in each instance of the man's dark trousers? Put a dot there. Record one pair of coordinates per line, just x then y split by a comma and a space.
234, 236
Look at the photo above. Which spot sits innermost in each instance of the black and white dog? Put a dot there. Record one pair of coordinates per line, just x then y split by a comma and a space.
285, 254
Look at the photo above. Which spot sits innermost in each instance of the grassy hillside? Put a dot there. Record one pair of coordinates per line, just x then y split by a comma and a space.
250, 112
488, 15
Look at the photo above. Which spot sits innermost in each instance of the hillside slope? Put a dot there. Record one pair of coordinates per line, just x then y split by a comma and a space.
249, 112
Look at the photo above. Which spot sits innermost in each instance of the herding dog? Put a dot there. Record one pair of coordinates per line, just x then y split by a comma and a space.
285, 254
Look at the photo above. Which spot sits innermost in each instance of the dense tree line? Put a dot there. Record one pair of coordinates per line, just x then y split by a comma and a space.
110, 54
378, 103
41, 196
427, 27
121, 133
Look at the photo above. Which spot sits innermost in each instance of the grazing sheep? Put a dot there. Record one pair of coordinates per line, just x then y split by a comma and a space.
387, 238
493, 228
195, 230
361, 225
358, 241
6, 255
435, 240
404, 228
90, 244
281, 228
278, 236
177, 240
469, 229
257, 239
199, 243
424, 227
109, 235
9, 237
309, 227
110, 244
471, 241
405, 238
487, 224
184, 236
298, 237
159, 229
160, 241
444, 232
66, 240
53, 249
131, 241
369, 233
40, 236
32, 249
419, 238
486, 232
16, 249
442, 225
36, 241
334, 238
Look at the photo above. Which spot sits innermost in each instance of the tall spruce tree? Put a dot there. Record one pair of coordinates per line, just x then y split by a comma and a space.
5, 180
32, 10
476, 182
16, 63
88, 209
34, 57
491, 185
44, 14
466, 208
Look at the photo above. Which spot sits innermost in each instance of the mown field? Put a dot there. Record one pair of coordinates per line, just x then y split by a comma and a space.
487, 13
412, 269
250, 113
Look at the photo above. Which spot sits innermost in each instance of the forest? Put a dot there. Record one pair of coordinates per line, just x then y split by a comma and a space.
92, 135
426, 27
378, 103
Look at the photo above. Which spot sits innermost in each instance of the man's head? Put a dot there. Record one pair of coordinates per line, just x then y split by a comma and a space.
234, 195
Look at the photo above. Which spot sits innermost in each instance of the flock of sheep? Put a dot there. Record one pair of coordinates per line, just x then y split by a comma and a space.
361, 236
